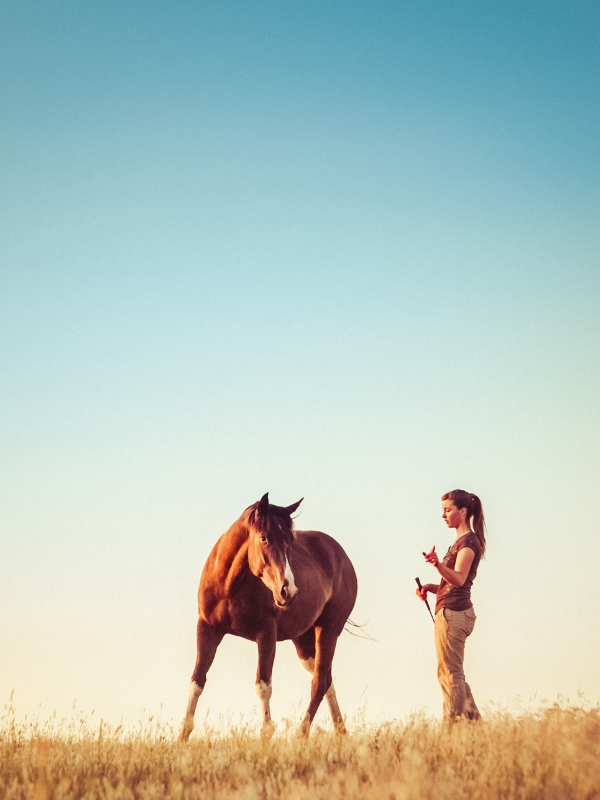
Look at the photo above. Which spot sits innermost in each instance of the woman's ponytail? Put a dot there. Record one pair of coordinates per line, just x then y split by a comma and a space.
478, 522
472, 503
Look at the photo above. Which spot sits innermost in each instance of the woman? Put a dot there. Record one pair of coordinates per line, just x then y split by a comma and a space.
454, 614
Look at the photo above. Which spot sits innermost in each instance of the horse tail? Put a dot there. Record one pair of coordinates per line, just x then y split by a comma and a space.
361, 627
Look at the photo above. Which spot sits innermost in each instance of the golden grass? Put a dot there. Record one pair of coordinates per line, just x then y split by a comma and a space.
552, 754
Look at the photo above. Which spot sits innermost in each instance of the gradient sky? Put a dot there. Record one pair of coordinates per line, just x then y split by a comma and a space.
346, 251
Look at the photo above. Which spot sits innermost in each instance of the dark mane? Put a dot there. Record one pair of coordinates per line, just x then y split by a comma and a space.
274, 521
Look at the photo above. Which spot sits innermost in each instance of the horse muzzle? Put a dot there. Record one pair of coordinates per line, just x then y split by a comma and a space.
285, 597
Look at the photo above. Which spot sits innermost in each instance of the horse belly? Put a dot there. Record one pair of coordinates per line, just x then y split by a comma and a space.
298, 618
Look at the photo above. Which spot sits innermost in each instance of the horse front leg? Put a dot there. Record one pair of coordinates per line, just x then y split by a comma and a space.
321, 683
267, 642
207, 640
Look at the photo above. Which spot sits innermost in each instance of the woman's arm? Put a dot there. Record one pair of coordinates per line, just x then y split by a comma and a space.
460, 573
427, 587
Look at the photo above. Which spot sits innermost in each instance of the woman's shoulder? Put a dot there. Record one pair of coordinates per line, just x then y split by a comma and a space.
469, 540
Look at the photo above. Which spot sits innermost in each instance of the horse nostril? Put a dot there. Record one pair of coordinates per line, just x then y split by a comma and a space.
283, 592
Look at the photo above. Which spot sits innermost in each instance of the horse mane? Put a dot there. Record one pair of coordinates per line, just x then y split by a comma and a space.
275, 520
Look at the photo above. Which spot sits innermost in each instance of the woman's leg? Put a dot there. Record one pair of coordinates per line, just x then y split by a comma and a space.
470, 709
451, 631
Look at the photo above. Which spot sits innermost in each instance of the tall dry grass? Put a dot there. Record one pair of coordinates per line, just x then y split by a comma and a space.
552, 754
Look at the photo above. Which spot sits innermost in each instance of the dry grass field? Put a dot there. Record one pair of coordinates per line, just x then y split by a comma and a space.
550, 754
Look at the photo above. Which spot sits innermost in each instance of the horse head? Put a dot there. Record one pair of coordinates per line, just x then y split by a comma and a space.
271, 535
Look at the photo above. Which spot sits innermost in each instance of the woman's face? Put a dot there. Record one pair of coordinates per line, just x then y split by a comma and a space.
452, 515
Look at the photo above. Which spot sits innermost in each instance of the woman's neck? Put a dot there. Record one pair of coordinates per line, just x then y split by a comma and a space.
463, 528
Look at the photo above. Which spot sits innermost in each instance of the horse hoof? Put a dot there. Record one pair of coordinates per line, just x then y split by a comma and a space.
186, 730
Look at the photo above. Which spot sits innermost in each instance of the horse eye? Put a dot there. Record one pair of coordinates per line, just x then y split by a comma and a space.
263, 539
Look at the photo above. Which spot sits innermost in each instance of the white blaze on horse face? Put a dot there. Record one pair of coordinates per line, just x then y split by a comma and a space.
279, 578
289, 576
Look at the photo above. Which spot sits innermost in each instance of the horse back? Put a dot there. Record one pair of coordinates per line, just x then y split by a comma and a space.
321, 553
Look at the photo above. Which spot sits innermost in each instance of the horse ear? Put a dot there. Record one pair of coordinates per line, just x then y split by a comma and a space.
263, 503
290, 509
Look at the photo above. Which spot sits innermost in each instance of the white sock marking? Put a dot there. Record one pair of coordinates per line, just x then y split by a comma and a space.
188, 722
330, 695
309, 664
264, 691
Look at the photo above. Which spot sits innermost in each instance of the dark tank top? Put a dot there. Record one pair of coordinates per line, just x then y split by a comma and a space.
458, 598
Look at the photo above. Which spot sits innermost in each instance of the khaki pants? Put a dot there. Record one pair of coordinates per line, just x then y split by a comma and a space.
451, 631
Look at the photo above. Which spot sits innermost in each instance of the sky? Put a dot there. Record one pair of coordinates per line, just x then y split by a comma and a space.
341, 251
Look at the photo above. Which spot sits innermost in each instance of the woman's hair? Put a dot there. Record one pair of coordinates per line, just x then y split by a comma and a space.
472, 503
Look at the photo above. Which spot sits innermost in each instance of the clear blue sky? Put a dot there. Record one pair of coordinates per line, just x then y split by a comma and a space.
342, 250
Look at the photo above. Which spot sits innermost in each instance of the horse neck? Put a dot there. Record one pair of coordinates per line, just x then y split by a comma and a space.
234, 549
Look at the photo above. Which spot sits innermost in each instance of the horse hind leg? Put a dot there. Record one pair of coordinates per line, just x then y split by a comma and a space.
306, 648
330, 697
208, 641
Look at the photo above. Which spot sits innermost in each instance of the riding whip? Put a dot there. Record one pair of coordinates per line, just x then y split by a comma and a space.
425, 598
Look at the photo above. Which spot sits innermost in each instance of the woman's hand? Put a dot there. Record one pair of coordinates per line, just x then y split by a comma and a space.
429, 587
455, 576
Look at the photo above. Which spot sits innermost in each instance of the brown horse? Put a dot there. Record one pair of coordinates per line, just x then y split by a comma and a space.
266, 582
